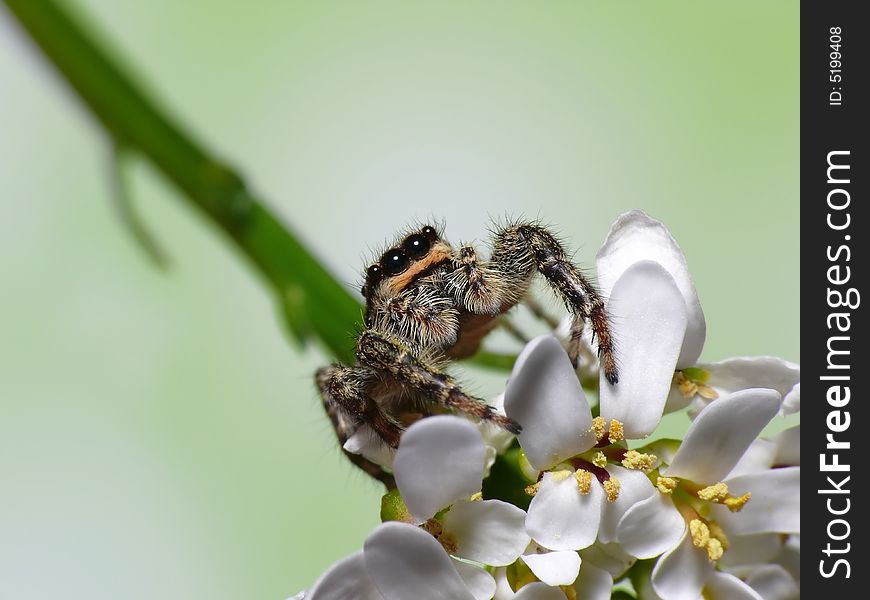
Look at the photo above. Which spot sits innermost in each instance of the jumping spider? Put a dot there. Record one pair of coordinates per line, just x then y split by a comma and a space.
428, 303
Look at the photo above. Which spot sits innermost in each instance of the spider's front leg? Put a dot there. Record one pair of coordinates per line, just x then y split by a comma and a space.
345, 392
520, 249
397, 361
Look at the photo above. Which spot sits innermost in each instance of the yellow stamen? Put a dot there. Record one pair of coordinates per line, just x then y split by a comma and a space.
715, 493
599, 460
685, 385
717, 533
611, 487
569, 591
560, 475
476, 497
700, 533
599, 428
584, 480
616, 433
666, 485
736, 504
692, 381
531, 490
714, 549
433, 527
639, 461
707, 392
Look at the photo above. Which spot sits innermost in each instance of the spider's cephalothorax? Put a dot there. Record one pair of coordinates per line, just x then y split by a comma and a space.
428, 303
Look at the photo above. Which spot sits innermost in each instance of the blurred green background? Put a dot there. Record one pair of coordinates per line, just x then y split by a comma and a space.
159, 436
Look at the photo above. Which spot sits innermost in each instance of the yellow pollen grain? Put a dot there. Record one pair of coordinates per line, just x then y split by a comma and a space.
531, 490
476, 497
584, 480
666, 485
599, 428
560, 475
700, 533
736, 504
616, 433
714, 493
611, 487
639, 461
714, 549
599, 460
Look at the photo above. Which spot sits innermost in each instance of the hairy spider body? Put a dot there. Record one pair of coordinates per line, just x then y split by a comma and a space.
428, 303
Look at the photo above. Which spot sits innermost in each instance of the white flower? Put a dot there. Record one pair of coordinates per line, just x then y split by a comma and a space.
697, 386
701, 507
636, 237
401, 561
633, 239
439, 464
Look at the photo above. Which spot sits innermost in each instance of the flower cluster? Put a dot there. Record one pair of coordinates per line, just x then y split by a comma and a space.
598, 506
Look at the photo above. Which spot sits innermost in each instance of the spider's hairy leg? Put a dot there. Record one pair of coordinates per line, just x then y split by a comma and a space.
344, 392
522, 247
392, 358
474, 284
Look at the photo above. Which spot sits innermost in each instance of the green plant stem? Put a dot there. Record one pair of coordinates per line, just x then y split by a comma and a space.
314, 304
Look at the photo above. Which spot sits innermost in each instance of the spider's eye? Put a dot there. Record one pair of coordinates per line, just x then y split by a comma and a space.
395, 261
416, 245
373, 275
430, 233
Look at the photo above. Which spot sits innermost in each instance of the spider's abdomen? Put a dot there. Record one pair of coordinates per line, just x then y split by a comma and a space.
472, 329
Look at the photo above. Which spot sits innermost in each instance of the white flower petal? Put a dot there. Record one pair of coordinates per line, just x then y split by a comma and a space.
593, 583
751, 549
788, 447
539, 591
774, 506
545, 397
345, 580
720, 435
560, 517
648, 317
480, 583
610, 557
491, 532
792, 402
724, 586
681, 573
493, 435
772, 582
405, 562
758, 457
503, 589
440, 460
635, 237
554, 568
789, 557
677, 401
634, 486
368, 444
742, 372
650, 527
